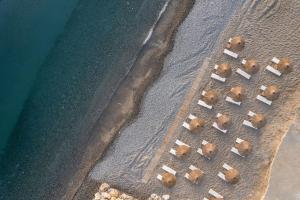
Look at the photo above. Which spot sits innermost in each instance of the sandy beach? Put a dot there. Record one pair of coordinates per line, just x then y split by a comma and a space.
271, 28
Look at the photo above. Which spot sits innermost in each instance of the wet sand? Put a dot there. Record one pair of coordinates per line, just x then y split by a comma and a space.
125, 102
271, 28
284, 180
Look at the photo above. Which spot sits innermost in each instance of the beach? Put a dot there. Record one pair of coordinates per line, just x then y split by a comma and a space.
84, 124
269, 32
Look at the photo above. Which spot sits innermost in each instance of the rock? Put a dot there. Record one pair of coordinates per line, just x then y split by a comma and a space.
104, 187
114, 193
166, 197
105, 195
154, 197
97, 196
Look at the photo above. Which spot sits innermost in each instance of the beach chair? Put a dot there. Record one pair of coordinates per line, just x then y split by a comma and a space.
193, 123
279, 66
231, 175
262, 98
182, 151
214, 194
240, 149
169, 177
248, 123
236, 95
250, 67
222, 75
273, 70
211, 99
208, 150
219, 119
234, 44
195, 174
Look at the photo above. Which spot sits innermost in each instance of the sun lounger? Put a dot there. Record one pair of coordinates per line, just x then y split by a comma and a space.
272, 69
263, 99
221, 174
214, 194
215, 125
231, 53
216, 76
235, 150
191, 167
230, 100
167, 169
178, 142
204, 142
248, 123
202, 103
242, 72
187, 125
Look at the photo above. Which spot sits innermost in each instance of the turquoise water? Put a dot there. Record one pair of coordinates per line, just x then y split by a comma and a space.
60, 64
28, 30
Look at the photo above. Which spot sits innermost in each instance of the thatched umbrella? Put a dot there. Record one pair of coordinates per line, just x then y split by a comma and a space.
237, 93
196, 124
211, 97
244, 148
224, 70
224, 121
251, 66
168, 179
232, 176
258, 120
182, 150
195, 175
271, 92
284, 65
237, 43
209, 150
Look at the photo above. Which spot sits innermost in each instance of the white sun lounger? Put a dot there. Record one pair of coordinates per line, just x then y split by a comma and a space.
216, 76
222, 175
242, 72
178, 142
248, 123
263, 99
167, 169
230, 100
202, 103
187, 125
272, 69
231, 53
192, 167
235, 150
215, 125
214, 194
204, 142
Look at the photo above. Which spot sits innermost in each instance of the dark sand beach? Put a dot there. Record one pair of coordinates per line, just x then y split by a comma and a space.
271, 28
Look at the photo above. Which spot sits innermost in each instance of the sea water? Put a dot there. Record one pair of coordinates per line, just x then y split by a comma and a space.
60, 63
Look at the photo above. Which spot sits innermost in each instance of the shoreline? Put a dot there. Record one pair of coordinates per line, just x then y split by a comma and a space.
125, 102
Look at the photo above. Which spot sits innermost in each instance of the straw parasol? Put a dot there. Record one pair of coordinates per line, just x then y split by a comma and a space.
195, 175
210, 97
224, 121
258, 120
182, 150
271, 92
237, 43
244, 148
224, 70
209, 150
284, 65
232, 176
168, 179
196, 124
237, 93
251, 66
